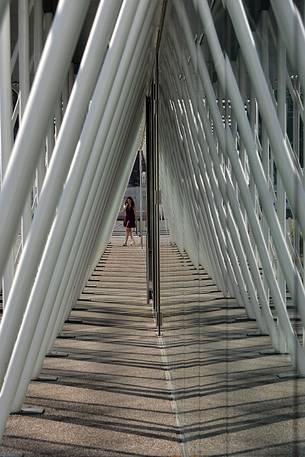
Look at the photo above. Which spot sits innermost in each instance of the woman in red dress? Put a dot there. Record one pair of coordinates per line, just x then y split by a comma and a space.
129, 219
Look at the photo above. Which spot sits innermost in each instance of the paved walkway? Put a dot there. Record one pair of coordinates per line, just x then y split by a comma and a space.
111, 398
235, 396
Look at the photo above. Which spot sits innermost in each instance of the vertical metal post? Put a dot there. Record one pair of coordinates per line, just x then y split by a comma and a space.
153, 259
303, 275
38, 45
6, 133
149, 196
243, 86
254, 127
5, 92
296, 150
265, 140
157, 200
281, 109
24, 87
141, 197
50, 138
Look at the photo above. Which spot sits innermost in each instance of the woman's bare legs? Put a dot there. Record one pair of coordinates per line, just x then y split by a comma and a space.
129, 234
132, 239
126, 236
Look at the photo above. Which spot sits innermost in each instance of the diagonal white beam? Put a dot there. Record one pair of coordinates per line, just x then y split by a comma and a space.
289, 174
88, 238
52, 188
223, 188
228, 81
187, 170
228, 146
84, 174
291, 28
3, 4
46, 87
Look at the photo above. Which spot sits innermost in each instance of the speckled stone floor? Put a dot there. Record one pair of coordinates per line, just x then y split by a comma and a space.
111, 397
234, 397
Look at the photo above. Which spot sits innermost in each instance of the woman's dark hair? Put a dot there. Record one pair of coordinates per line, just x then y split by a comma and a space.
132, 202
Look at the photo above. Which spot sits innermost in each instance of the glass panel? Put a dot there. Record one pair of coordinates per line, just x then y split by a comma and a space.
226, 291
180, 240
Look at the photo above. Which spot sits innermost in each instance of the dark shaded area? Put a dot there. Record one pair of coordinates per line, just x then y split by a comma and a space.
229, 386
134, 180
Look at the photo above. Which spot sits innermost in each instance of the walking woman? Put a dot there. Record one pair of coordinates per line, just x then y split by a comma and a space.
129, 219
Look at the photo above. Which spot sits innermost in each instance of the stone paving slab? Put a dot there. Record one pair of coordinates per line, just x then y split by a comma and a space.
113, 275
119, 286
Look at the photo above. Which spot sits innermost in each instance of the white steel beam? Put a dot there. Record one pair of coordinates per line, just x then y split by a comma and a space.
60, 163
72, 185
38, 47
46, 87
212, 246
90, 235
6, 128
291, 28
24, 90
3, 5
222, 187
253, 309
291, 178
227, 80
227, 145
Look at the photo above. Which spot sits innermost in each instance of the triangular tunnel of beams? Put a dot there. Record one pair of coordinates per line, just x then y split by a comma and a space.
213, 93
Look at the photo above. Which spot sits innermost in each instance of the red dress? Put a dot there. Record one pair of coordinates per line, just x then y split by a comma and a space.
129, 219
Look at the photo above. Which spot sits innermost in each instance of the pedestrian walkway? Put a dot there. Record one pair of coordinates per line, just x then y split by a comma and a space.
235, 395
110, 397
115, 384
